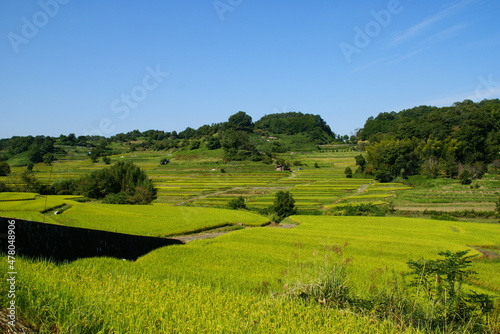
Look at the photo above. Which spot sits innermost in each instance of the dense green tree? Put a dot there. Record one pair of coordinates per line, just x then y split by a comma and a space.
465, 132
65, 187
188, 133
120, 198
348, 172
213, 143
238, 146
94, 155
4, 168
69, 140
391, 158
237, 203
284, 205
361, 162
106, 160
194, 145
18, 144
122, 177
240, 122
292, 123
40, 147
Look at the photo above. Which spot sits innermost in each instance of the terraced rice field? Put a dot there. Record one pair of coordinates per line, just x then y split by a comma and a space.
235, 283
450, 195
149, 220
372, 193
197, 180
311, 188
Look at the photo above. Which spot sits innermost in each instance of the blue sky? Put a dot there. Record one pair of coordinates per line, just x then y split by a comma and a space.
105, 67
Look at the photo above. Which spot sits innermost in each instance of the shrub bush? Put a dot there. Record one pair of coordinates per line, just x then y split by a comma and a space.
120, 198
367, 209
237, 203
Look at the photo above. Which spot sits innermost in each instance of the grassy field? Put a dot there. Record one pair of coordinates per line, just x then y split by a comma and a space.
111, 296
149, 220
154, 220
234, 283
238, 282
450, 195
200, 178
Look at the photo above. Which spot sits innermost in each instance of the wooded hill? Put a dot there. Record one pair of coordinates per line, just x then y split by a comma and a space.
239, 137
446, 141
433, 141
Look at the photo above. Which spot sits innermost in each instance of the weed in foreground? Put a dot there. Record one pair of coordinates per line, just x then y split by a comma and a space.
433, 301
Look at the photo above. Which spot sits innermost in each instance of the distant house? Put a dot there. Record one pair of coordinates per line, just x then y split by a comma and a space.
280, 168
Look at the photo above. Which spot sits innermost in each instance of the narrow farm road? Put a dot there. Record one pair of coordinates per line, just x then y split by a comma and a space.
363, 188
206, 195
207, 235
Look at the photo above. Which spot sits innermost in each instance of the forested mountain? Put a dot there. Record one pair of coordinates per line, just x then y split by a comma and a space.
292, 123
433, 141
446, 141
239, 137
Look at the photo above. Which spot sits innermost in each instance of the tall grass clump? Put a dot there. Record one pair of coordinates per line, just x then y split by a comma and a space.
434, 300
330, 288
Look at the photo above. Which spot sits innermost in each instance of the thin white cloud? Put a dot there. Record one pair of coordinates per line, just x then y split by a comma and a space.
426, 23
445, 34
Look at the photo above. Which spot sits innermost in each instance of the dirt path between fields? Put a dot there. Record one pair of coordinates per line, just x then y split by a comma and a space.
207, 235
203, 196
191, 237
486, 253
217, 193
292, 175
363, 188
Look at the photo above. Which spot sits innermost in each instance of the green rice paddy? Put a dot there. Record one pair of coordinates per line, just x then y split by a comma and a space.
236, 283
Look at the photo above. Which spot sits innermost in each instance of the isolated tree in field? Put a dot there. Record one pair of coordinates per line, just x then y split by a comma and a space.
361, 162
4, 168
237, 203
348, 172
284, 205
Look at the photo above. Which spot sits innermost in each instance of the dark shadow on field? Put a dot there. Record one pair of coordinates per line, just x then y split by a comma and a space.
64, 243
